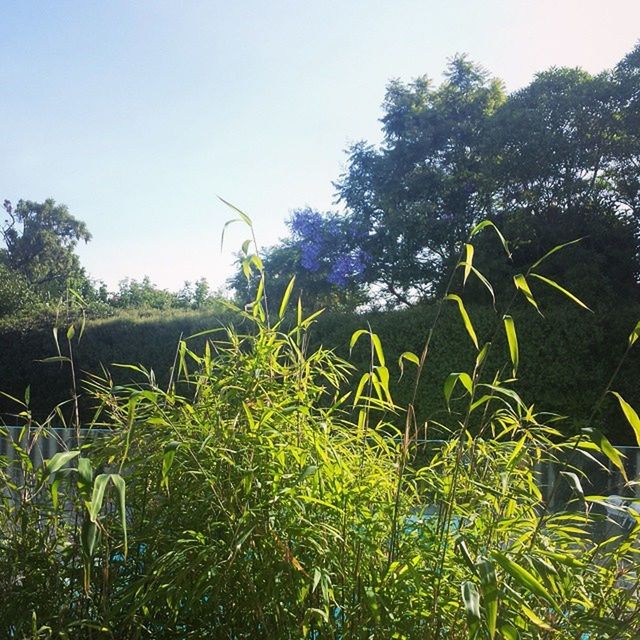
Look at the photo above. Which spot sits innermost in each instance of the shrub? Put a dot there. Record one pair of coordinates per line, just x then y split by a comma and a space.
269, 494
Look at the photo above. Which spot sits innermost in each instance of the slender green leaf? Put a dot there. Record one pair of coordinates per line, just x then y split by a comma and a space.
635, 334
482, 354
535, 618
630, 414
552, 251
604, 446
465, 318
55, 339
517, 453
409, 356
574, 481
522, 285
257, 261
487, 223
243, 216
167, 461
562, 290
58, 461
489, 589
451, 381
88, 537
509, 393
377, 345
97, 497
360, 389
259, 292
375, 341
509, 632
355, 337
85, 473
483, 280
468, 262
464, 552
119, 484
224, 230
285, 297
512, 339
471, 600
524, 578
311, 317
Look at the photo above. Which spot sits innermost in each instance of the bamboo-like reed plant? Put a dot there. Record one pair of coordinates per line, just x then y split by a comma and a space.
273, 492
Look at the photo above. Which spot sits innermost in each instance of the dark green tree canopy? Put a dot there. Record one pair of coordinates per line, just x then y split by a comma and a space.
418, 193
40, 239
555, 161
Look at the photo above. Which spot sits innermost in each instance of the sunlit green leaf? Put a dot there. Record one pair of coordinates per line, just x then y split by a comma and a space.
574, 481
243, 216
536, 619
489, 589
355, 337
377, 345
522, 285
487, 223
285, 297
552, 251
451, 381
468, 261
483, 280
524, 578
410, 357
97, 497
635, 334
512, 339
630, 414
604, 446
120, 486
562, 290
465, 318
58, 461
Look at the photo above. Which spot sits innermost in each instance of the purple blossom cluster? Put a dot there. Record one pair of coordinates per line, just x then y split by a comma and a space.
326, 242
347, 267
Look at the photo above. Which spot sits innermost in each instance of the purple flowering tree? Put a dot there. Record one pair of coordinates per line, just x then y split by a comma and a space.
324, 254
328, 245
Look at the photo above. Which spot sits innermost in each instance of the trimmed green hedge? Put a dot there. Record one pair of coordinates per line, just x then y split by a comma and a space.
567, 357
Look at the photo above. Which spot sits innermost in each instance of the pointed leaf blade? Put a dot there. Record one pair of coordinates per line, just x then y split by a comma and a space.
465, 318
630, 414
512, 339
562, 290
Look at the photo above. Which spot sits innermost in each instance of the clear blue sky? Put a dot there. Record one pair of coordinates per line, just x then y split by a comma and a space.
137, 113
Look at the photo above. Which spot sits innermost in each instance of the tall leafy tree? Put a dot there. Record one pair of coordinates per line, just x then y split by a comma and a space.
414, 198
40, 241
555, 161
321, 253
554, 154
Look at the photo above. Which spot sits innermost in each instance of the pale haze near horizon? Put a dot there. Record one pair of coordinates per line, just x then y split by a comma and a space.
137, 115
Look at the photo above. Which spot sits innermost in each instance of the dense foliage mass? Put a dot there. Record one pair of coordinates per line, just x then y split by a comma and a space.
568, 354
267, 492
268, 488
552, 162
41, 275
